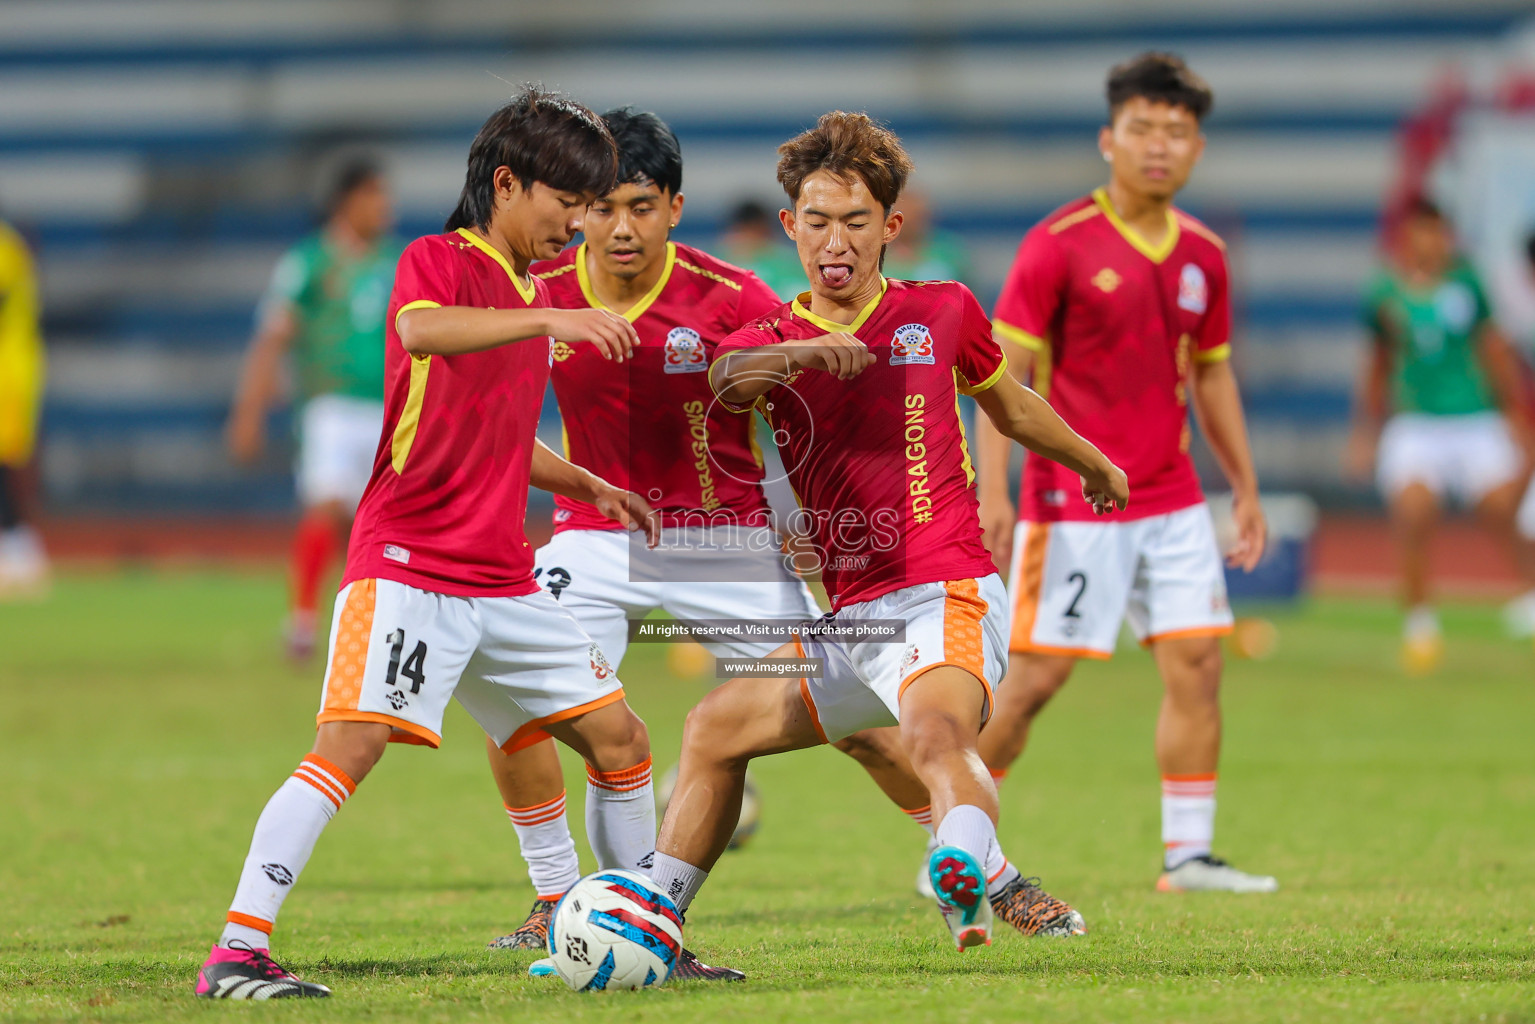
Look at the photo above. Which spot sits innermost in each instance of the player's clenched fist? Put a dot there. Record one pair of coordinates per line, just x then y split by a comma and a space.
630, 510
1106, 489
613, 335
841, 355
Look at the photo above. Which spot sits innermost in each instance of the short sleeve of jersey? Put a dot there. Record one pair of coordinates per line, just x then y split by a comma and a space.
755, 301
290, 279
1214, 342
1478, 294
1033, 291
427, 276
977, 358
753, 335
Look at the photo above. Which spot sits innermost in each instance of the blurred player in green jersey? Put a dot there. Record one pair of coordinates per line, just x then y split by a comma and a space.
1439, 410
325, 309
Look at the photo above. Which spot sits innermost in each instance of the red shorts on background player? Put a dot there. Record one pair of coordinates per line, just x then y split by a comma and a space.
439, 599
1120, 304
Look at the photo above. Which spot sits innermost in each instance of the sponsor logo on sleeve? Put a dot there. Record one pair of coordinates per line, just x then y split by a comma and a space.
1193, 291
684, 351
912, 343
395, 553
559, 352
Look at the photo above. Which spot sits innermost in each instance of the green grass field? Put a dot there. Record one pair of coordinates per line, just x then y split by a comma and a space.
148, 717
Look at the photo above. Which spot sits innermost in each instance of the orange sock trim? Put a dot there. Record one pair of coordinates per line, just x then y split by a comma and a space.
1003, 868
336, 784
1189, 785
997, 774
235, 917
538, 814
551, 898
622, 780
921, 815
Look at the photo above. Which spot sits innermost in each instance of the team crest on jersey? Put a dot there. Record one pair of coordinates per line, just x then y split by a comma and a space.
909, 657
559, 352
912, 343
684, 351
1193, 292
1106, 280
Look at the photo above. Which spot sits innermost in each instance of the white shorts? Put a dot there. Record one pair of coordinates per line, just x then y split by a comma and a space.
516, 664
1462, 457
338, 438
1074, 583
961, 623
689, 576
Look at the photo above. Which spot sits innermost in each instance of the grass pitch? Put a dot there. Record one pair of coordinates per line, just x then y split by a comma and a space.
148, 717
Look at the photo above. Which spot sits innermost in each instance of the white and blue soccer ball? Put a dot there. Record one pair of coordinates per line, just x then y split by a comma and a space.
615, 930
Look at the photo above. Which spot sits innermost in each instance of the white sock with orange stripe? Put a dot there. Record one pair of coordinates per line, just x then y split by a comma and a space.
286, 832
970, 828
621, 816
999, 870
923, 816
547, 846
1188, 817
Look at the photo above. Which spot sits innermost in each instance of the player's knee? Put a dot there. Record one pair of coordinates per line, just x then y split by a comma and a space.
709, 731
354, 747
868, 748
933, 737
622, 742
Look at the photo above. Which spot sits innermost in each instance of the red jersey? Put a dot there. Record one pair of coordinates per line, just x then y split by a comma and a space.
879, 462
1116, 324
650, 424
445, 505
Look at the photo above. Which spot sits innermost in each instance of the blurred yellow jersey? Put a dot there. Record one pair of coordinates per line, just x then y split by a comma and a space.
21, 350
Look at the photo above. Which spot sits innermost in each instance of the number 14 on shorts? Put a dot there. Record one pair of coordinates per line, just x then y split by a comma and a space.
412, 669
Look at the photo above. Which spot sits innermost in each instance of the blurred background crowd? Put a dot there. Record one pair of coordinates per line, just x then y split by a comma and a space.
157, 158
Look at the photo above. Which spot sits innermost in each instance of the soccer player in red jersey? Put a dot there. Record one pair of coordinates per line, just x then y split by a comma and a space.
1120, 305
439, 599
652, 423
860, 379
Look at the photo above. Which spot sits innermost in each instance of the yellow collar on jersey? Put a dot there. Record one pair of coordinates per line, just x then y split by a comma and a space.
524, 287
637, 310
831, 326
1154, 253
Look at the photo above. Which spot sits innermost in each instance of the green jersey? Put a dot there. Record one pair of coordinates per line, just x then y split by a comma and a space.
1434, 333
338, 302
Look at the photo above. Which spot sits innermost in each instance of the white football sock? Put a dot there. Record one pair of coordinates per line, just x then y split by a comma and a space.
678, 879
621, 816
286, 832
999, 870
1188, 817
543, 834
1422, 624
969, 828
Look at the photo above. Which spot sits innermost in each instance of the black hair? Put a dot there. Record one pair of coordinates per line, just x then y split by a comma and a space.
539, 136
749, 212
350, 176
1160, 78
648, 150
1424, 207
1529, 247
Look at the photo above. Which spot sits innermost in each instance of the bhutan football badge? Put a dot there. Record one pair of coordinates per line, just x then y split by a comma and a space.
600, 667
1106, 280
1193, 292
684, 351
912, 343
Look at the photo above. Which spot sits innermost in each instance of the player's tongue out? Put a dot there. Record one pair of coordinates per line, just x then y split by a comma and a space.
836, 275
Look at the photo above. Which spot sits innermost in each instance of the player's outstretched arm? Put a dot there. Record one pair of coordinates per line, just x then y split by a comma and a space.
1505, 376
1370, 407
741, 376
246, 431
993, 487
1218, 405
1022, 415
453, 330
560, 476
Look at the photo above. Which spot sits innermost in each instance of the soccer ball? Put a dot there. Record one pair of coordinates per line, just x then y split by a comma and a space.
751, 807
615, 930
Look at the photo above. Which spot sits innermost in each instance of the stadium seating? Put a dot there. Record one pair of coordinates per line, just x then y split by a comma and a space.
163, 154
